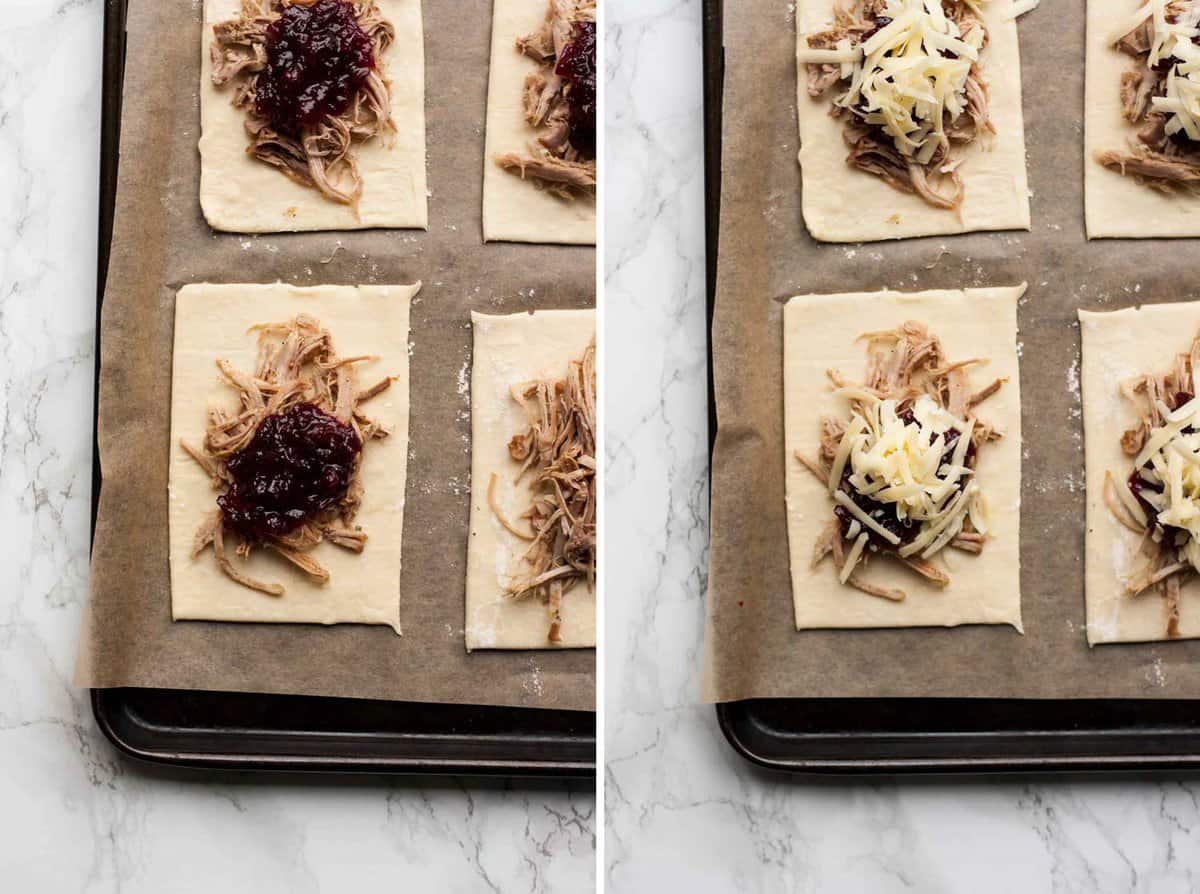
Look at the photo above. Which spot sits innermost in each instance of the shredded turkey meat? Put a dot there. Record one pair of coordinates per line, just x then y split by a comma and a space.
908, 375
1168, 163
1167, 551
557, 456
320, 157
936, 180
552, 162
296, 364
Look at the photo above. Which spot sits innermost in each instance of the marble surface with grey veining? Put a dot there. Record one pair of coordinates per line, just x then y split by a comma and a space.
74, 816
684, 813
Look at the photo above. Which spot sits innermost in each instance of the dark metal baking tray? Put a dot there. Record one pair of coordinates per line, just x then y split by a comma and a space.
248, 731
927, 735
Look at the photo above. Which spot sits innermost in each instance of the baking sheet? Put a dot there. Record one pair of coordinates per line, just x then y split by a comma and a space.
751, 646
160, 243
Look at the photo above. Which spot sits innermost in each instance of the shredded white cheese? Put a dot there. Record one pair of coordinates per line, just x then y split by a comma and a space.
1129, 501
856, 428
1020, 7
842, 53
1170, 460
852, 558
1173, 40
904, 465
910, 76
980, 514
855, 510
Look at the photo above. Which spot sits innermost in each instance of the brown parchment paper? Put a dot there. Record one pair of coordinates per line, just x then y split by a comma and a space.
160, 243
766, 256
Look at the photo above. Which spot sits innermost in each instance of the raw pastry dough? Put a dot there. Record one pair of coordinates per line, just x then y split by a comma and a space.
1118, 346
211, 321
516, 210
509, 350
242, 195
1114, 205
820, 333
843, 204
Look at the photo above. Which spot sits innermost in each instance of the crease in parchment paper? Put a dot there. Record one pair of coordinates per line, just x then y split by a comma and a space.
160, 242
752, 649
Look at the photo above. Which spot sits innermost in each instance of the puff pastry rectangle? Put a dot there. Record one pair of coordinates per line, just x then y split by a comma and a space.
510, 350
1116, 205
820, 333
1118, 346
843, 204
239, 194
516, 210
211, 322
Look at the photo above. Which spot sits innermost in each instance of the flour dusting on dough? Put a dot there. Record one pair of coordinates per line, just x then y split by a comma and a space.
1155, 673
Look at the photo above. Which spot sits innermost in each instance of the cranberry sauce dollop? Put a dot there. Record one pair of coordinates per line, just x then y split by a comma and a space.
885, 513
577, 66
298, 463
317, 59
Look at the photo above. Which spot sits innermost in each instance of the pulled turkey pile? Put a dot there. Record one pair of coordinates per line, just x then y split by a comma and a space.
298, 374
554, 161
318, 153
906, 83
557, 454
1160, 499
1160, 96
901, 469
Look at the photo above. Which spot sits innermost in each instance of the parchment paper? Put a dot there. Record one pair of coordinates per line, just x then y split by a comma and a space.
752, 648
160, 243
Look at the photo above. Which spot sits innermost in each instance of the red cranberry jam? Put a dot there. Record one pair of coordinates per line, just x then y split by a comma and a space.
883, 513
298, 463
577, 66
317, 59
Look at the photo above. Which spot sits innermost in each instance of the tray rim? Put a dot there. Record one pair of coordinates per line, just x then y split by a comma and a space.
952, 747
226, 759
102, 700
728, 713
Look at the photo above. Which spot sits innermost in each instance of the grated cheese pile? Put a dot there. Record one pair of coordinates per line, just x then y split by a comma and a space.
1170, 459
903, 78
1170, 40
903, 464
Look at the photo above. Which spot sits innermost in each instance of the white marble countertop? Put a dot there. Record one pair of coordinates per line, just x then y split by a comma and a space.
684, 812
73, 815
